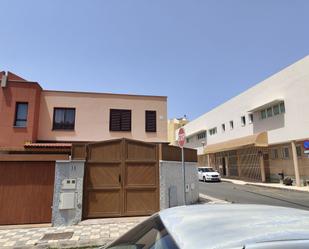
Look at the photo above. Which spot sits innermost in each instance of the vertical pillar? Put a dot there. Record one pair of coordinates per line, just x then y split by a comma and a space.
295, 162
262, 166
227, 166
208, 160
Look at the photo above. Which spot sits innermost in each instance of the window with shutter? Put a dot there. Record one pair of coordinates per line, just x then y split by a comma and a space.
151, 121
120, 120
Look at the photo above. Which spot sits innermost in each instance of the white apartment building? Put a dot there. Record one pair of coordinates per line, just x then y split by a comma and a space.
261, 132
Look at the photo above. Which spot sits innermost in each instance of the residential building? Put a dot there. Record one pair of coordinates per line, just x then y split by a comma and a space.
260, 133
30, 115
172, 126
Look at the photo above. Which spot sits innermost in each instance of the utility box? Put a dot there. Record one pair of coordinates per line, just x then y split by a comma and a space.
67, 200
68, 184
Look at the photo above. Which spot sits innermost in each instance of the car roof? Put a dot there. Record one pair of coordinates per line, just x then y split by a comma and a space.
233, 225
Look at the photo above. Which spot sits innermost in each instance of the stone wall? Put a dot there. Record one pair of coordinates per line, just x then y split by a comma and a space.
68, 170
171, 184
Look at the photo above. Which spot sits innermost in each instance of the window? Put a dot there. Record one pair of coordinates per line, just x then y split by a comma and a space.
201, 135
223, 127
188, 140
151, 121
250, 118
285, 153
231, 125
274, 154
64, 119
21, 113
276, 109
298, 150
120, 120
243, 121
282, 107
269, 112
273, 111
263, 114
213, 131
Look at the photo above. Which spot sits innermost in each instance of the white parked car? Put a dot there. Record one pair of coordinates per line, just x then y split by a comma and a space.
208, 174
220, 226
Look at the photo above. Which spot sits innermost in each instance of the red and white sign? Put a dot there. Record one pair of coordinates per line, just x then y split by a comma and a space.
181, 137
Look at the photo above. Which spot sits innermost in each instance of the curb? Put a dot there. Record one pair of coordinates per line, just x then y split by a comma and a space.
274, 187
264, 186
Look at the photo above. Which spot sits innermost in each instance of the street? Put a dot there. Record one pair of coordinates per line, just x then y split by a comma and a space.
255, 195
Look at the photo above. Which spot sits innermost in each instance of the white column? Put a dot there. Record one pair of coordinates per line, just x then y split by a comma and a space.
208, 160
295, 162
263, 175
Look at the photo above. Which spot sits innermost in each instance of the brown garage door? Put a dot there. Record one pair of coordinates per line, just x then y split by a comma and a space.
26, 192
122, 178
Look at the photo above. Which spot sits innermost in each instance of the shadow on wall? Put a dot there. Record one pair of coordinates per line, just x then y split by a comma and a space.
272, 123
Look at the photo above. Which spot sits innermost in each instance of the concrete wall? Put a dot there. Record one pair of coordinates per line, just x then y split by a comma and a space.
171, 184
93, 116
68, 170
291, 85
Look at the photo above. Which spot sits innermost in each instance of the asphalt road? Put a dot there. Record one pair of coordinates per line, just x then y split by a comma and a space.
255, 195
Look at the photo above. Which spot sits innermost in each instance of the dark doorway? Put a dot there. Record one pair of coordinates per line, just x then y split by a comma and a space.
224, 166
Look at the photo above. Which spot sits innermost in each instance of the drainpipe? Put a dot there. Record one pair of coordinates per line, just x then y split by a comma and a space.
295, 162
262, 166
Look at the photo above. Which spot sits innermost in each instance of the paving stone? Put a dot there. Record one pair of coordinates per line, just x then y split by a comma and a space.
96, 232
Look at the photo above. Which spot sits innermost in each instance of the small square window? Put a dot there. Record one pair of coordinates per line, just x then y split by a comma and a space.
298, 151
64, 119
285, 153
263, 114
275, 154
243, 121
269, 112
276, 109
250, 118
223, 127
231, 125
21, 114
282, 107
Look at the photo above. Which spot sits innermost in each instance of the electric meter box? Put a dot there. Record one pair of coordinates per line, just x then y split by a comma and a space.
67, 200
68, 184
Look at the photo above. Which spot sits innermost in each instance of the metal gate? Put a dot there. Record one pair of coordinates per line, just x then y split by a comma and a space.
122, 179
26, 192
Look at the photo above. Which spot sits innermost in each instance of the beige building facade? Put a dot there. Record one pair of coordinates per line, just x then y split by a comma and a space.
259, 134
93, 116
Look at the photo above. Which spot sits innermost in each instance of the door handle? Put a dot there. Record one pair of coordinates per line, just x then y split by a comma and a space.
119, 178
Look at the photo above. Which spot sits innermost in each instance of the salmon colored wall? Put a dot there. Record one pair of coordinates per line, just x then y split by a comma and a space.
18, 90
92, 116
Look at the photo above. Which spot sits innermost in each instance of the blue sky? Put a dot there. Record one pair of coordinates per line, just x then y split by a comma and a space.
199, 53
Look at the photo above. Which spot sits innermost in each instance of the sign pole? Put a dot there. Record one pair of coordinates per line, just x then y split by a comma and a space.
181, 143
184, 174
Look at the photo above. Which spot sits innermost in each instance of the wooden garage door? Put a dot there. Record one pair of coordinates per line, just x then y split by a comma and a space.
122, 178
26, 192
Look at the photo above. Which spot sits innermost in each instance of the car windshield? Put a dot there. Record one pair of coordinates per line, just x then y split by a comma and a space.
150, 234
207, 170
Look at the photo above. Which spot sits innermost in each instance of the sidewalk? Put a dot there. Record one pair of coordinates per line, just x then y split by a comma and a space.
96, 232
268, 185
